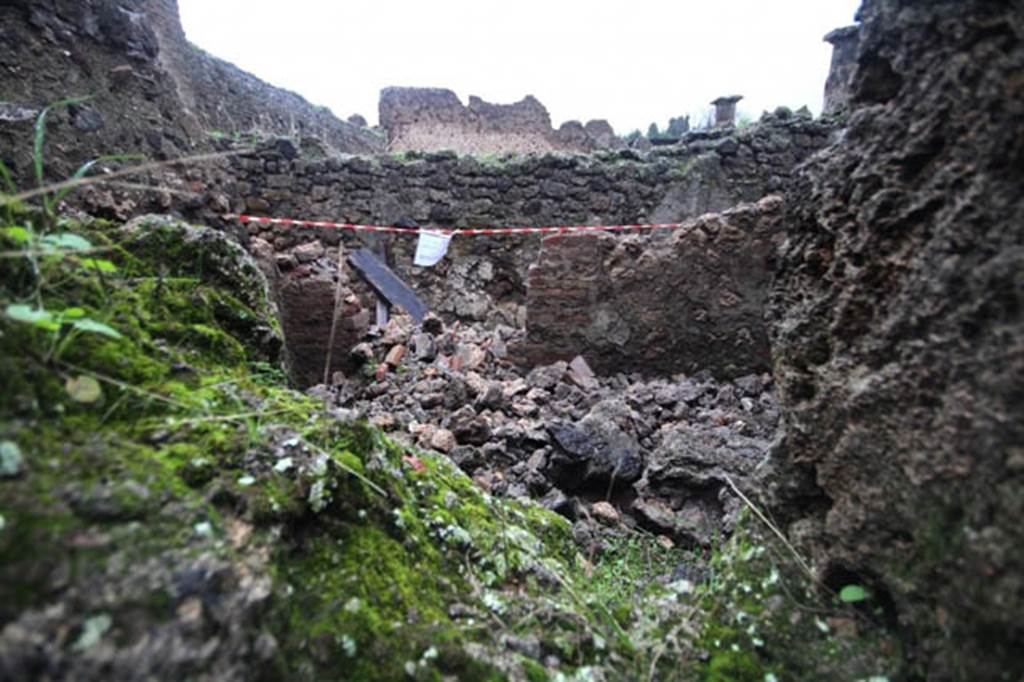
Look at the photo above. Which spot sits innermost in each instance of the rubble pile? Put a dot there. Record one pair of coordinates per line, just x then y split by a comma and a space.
619, 450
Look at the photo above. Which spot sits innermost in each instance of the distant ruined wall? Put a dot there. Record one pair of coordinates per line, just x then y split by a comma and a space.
434, 119
710, 172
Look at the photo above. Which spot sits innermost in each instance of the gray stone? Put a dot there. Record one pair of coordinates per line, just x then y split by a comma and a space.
602, 449
424, 348
308, 252
443, 440
469, 427
86, 118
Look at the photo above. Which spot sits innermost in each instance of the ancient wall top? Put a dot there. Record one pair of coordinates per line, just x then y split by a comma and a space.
725, 110
434, 119
845, 42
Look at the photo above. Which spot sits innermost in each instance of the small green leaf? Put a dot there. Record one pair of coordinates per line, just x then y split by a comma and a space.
11, 459
73, 313
17, 234
88, 324
68, 240
246, 481
39, 317
84, 389
99, 264
853, 593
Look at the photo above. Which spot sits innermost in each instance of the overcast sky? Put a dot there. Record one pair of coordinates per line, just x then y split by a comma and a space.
629, 62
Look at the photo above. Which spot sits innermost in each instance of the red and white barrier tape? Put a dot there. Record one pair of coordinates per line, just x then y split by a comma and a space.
563, 229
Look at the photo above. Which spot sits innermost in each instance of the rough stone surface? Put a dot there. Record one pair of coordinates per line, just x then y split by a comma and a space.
693, 301
685, 492
152, 92
434, 119
657, 452
306, 296
600, 452
222, 262
844, 43
897, 335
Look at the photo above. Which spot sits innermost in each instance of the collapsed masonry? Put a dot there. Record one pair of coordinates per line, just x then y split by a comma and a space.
489, 279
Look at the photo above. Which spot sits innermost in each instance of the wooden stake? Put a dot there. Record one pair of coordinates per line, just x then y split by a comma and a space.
334, 317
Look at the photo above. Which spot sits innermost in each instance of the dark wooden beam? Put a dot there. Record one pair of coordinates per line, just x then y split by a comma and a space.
386, 284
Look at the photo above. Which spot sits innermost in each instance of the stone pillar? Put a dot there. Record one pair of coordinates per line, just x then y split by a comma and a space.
725, 110
844, 59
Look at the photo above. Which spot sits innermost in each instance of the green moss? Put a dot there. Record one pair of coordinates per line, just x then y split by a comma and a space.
535, 672
765, 616
104, 464
361, 583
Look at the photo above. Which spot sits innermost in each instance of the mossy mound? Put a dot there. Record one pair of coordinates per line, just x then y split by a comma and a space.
171, 509
766, 618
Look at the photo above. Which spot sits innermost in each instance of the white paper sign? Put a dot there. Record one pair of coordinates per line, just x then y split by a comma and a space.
431, 248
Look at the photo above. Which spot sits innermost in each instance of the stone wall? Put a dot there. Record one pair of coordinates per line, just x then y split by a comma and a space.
693, 301
305, 284
844, 59
708, 172
898, 339
434, 119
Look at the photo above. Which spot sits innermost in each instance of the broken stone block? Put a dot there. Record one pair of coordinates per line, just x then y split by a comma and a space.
548, 376
422, 433
431, 400
469, 356
396, 355
443, 440
467, 458
558, 502
309, 252
424, 348
432, 324
599, 450
476, 383
581, 374
385, 422
655, 514
492, 397
361, 353
469, 427
515, 387
286, 261
605, 513
397, 330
